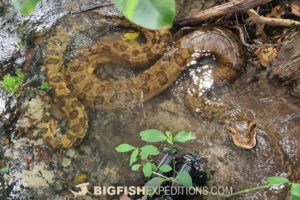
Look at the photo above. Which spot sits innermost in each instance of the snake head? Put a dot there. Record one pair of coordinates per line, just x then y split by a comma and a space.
242, 131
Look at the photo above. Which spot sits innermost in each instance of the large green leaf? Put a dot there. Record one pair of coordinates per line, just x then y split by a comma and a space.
25, 6
184, 136
152, 184
277, 180
295, 191
124, 148
147, 170
185, 179
148, 150
152, 135
152, 14
165, 168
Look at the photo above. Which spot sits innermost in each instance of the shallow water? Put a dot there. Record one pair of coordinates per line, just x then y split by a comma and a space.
37, 172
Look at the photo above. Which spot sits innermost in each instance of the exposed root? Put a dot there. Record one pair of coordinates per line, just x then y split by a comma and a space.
226, 8
255, 18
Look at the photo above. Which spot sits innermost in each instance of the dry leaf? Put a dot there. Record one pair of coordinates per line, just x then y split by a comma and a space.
30, 120
52, 124
295, 7
41, 154
6, 141
267, 55
276, 12
89, 162
80, 179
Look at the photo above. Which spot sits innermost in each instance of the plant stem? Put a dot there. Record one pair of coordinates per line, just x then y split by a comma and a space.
158, 174
244, 191
173, 158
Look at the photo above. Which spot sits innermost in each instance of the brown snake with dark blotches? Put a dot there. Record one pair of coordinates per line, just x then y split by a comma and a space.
78, 86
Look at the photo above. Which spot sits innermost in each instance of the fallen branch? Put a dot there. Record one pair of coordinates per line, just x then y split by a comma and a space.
97, 7
254, 17
226, 8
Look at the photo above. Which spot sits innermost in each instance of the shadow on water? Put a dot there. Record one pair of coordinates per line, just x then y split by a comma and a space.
37, 172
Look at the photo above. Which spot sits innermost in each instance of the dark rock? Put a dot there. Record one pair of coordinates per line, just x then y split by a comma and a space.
287, 64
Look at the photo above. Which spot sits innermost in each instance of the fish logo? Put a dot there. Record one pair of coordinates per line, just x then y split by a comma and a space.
83, 190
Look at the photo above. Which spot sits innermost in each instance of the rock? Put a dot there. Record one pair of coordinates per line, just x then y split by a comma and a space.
185, 7
287, 64
296, 91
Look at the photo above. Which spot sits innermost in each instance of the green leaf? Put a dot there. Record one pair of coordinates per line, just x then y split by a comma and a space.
12, 83
147, 169
277, 180
20, 76
25, 6
133, 156
152, 135
150, 150
152, 14
185, 179
45, 86
124, 148
154, 167
165, 168
184, 136
166, 149
169, 134
136, 166
170, 137
144, 155
170, 141
152, 184
295, 191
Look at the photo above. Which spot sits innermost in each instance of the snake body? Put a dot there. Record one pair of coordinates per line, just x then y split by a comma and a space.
78, 86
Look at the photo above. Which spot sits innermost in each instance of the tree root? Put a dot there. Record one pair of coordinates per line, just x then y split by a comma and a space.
255, 18
226, 8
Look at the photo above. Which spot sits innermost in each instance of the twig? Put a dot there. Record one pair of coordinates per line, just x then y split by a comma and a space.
96, 7
145, 116
226, 8
254, 17
256, 46
144, 112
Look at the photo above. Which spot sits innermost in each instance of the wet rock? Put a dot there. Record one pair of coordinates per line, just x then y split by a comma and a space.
185, 7
296, 91
287, 64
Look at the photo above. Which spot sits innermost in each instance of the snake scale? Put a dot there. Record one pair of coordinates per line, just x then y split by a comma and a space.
75, 86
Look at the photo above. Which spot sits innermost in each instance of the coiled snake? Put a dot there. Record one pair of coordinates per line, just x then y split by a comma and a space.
77, 86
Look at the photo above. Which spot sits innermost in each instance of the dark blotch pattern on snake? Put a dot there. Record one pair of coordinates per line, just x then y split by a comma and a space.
101, 94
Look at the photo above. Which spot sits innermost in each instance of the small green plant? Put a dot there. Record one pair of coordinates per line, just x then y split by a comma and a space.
45, 86
12, 83
150, 168
272, 181
184, 178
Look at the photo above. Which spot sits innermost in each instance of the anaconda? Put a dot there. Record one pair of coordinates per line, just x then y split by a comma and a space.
77, 85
